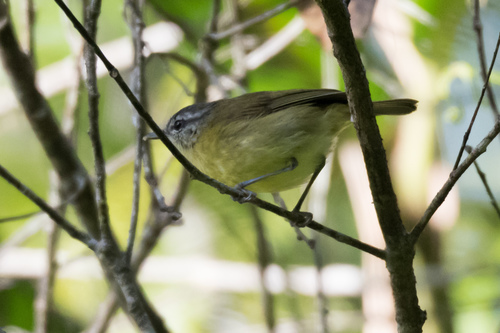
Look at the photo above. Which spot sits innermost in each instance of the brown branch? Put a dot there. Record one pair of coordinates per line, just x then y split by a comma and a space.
157, 221
400, 251
136, 26
52, 213
478, 28
75, 181
235, 193
92, 13
74, 178
255, 20
454, 176
487, 187
202, 79
264, 259
485, 86
45, 286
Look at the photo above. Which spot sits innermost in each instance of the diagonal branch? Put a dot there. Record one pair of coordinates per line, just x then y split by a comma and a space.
258, 19
75, 181
478, 28
485, 88
239, 195
487, 187
52, 213
454, 176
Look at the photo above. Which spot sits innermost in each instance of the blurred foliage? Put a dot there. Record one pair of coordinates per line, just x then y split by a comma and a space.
216, 227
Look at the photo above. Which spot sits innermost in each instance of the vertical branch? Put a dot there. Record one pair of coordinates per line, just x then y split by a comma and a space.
30, 30
92, 13
208, 46
45, 287
317, 203
264, 257
478, 28
138, 88
238, 69
400, 250
75, 181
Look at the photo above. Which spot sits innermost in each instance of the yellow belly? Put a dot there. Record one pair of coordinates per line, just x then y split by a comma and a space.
244, 150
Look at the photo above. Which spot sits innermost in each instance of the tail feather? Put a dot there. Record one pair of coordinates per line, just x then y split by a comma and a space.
395, 106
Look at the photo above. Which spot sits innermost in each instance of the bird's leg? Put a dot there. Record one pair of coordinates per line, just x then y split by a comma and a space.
293, 164
248, 194
307, 216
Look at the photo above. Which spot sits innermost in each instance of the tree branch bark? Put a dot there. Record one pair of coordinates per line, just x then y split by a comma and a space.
399, 248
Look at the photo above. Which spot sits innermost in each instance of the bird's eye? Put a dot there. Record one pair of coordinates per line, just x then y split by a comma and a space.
178, 124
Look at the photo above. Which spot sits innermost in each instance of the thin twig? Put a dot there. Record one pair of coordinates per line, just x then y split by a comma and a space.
208, 45
46, 283
318, 202
258, 19
106, 311
197, 174
45, 286
264, 259
157, 221
91, 16
70, 120
75, 179
19, 217
53, 214
478, 28
300, 235
136, 26
201, 76
238, 68
485, 85
454, 176
482, 175
275, 44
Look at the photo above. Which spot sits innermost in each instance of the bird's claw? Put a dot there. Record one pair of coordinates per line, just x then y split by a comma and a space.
244, 195
304, 219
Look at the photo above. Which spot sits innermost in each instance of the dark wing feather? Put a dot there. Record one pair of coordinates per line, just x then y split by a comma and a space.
260, 104
319, 97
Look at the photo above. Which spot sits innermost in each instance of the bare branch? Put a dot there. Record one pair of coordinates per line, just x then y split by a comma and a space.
297, 217
136, 26
264, 259
45, 287
201, 76
482, 175
157, 221
485, 86
258, 19
300, 235
400, 252
454, 176
91, 16
75, 180
19, 217
478, 28
53, 214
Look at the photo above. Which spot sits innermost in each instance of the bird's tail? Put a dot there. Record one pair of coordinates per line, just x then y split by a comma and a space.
395, 106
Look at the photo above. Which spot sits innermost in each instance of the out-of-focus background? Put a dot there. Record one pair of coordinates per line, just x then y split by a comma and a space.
203, 275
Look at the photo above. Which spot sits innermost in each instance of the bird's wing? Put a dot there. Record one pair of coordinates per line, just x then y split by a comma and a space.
286, 99
260, 104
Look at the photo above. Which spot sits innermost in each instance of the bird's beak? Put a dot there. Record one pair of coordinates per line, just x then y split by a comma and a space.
150, 136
